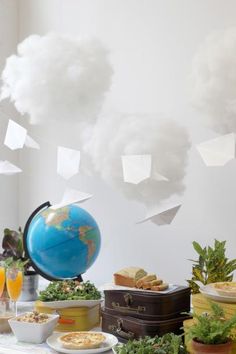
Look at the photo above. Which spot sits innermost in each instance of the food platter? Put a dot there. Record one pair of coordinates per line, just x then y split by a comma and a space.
112, 286
70, 303
109, 343
210, 292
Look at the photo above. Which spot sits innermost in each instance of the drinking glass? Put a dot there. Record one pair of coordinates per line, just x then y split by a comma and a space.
14, 280
2, 279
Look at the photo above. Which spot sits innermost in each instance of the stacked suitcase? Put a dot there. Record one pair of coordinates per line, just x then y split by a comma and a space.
131, 314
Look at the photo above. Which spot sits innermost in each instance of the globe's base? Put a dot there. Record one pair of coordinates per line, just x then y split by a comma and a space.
79, 278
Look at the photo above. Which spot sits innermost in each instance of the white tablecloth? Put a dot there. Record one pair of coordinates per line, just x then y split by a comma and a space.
9, 344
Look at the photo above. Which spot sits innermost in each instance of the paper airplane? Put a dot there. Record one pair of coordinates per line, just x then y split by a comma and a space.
68, 161
157, 176
218, 151
136, 168
7, 168
15, 136
162, 216
72, 196
31, 143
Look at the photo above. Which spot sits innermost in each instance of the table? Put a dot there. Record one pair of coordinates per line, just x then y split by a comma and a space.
9, 344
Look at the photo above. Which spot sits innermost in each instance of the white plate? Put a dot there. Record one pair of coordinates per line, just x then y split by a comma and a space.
70, 303
112, 286
210, 293
109, 343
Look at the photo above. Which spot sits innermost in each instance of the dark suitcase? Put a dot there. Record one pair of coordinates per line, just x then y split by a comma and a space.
126, 327
148, 306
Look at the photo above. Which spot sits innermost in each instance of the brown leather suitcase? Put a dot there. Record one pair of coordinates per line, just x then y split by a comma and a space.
148, 306
126, 327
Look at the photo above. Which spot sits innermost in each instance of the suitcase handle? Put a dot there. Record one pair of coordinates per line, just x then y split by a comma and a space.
127, 309
117, 330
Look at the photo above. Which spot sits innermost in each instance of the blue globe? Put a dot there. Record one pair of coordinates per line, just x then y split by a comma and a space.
63, 243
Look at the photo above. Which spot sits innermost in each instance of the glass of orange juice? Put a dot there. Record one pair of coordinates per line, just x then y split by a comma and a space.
14, 280
2, 279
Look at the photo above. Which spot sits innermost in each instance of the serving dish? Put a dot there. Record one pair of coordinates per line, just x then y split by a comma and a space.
112, 286
70, 303
32, 332
109, 343
209, 292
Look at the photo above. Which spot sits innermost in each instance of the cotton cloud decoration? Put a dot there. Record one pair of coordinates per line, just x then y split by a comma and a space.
59, 78
165, 140
213, 80
55, 77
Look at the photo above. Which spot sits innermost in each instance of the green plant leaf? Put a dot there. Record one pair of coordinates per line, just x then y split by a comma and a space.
198, 249
197, 273
12, 245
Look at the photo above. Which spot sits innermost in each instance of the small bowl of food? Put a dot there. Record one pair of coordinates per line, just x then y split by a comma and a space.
33, 327
225, 288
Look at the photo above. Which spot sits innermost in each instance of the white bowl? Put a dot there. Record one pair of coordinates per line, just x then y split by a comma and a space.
33, 332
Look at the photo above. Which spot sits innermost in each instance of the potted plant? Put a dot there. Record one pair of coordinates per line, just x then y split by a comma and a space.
211, 266
211, 333
13, 252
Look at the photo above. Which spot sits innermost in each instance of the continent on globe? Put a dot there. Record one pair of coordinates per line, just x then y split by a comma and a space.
86, 235
56, 220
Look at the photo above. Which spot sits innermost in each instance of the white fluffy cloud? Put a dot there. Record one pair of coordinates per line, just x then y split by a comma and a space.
165, 140
213, 80
55, 77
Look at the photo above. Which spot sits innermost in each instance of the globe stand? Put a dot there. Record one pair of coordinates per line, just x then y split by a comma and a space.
79, 278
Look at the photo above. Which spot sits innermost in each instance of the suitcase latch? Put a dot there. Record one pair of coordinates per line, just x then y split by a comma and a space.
118, 330
128, 299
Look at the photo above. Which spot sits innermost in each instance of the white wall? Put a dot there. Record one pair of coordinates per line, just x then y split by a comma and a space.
9, 197
152, 44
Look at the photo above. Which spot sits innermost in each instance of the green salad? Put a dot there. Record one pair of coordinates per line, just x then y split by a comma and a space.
169, 343
69, 290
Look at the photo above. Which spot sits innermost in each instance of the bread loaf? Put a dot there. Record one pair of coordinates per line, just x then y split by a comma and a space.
149, 284
145, 279
161, 287
129, 276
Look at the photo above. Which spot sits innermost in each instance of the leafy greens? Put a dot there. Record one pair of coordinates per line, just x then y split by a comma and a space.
69, 290
169, 343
